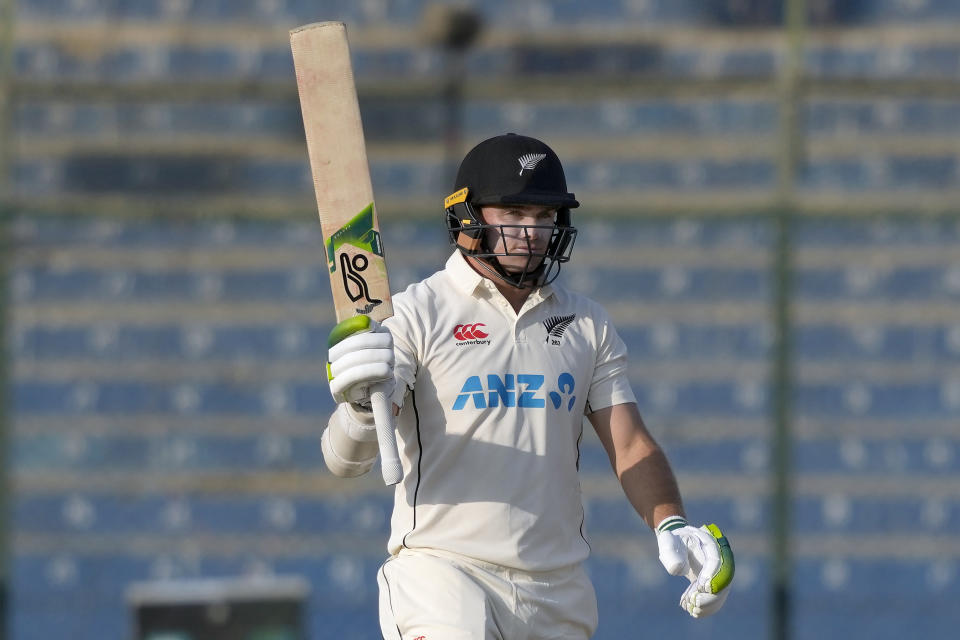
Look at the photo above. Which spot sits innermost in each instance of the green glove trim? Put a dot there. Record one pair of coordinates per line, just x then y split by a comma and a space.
724, 575
672, 522
350, 326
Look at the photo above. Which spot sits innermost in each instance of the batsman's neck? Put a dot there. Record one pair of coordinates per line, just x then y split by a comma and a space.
515, 296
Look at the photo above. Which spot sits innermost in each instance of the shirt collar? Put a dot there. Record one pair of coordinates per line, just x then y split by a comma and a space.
462, 274
467, 280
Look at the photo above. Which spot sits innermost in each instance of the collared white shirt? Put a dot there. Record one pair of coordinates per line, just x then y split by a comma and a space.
492, 415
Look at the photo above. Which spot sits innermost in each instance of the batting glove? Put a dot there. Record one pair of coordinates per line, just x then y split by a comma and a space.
360, 356
702, 555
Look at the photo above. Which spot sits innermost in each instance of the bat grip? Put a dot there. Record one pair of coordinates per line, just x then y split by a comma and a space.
386, 435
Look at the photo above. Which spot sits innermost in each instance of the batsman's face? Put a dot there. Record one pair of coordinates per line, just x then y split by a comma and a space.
521, 230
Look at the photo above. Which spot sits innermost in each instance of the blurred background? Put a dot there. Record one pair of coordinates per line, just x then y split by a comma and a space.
770, 198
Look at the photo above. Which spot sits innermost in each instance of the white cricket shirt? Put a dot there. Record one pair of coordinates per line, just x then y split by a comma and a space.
492, 415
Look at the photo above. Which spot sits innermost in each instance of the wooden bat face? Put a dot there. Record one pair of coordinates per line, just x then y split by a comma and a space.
341, 174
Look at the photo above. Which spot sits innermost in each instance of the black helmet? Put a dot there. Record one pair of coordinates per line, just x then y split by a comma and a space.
511, 170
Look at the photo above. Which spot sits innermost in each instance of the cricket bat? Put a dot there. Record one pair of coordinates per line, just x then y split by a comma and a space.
341, 180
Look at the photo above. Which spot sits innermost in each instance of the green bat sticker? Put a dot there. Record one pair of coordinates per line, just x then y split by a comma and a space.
358, 232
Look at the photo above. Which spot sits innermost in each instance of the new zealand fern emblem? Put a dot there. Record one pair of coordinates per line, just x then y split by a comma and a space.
529, 161
556, 325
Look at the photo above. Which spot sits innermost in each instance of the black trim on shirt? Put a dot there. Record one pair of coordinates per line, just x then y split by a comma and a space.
416, 414
583, 510
393, 614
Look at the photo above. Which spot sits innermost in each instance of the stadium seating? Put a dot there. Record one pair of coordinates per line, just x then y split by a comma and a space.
676, 13
707, 116
175, 372
210, 175
47, 59
167, 384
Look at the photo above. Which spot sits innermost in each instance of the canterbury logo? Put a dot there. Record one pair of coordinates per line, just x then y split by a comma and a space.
556, 325
530, 161
469, 331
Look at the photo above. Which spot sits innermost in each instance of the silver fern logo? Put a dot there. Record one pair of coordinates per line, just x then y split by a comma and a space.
530, 161
556, 325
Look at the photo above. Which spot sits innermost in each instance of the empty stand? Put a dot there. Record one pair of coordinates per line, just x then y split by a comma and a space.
149, 360
167, 374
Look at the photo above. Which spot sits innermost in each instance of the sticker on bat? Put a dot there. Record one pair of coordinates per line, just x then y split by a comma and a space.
358, 232
353, 283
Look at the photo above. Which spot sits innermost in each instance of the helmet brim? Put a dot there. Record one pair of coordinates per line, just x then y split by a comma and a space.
544, 198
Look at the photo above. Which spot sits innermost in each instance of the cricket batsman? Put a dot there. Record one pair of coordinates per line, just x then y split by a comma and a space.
493, 366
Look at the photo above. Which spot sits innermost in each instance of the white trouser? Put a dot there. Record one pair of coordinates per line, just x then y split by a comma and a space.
431, 595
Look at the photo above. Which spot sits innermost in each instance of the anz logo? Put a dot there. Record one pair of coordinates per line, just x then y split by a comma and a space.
523, 390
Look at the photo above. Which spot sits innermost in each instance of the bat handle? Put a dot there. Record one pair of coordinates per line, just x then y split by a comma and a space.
386, 435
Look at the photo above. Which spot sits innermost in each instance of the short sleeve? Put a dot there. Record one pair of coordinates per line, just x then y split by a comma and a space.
610, 385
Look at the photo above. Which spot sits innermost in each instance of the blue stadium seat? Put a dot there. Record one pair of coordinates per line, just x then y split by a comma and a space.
685, 341
407, 178
923, 172
41, 119
918, 400
830, 116
914, 455
839, 512
700, 398
913, 579
169, 453
930, 116
909, 60
131, 398
97, 513
827, 342
636, 115
897, 13
887, 592
885, 232
680, 283
856, 281
75, 577
846, 174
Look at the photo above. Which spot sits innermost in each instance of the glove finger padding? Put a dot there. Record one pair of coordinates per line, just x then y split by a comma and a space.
702, 605
379, 338
703, 553
353, 385
376, 361
705, 557
360, 356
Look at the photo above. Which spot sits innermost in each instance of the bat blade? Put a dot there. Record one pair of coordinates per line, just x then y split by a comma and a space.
341, 181
341, 173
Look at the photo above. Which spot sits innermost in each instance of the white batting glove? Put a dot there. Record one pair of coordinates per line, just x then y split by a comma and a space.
360, 356
702, 555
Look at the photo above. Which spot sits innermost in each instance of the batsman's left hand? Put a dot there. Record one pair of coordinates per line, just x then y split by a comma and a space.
702, 555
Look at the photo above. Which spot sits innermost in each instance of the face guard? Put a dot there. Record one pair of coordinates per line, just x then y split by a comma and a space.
473, 237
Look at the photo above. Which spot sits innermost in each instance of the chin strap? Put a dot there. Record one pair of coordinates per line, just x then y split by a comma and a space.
497, 271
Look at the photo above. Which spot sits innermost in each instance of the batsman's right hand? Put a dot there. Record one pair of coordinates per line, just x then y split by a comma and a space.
360, 356
704, 556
